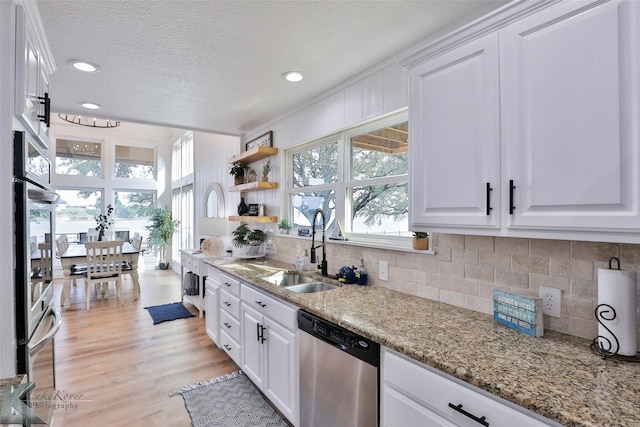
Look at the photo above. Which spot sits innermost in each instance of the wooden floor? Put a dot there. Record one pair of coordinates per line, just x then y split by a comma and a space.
120, 367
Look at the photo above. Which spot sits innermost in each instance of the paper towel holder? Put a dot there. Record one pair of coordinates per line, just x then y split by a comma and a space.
608, 313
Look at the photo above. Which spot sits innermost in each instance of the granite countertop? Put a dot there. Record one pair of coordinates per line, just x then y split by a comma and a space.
11, 382
556, 375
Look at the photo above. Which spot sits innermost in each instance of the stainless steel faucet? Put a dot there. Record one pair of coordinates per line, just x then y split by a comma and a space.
323, 263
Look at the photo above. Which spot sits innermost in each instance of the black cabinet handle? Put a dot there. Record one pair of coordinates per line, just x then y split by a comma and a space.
262, 338
226, 303
489, 208
227, 347
46, 117
227, 325
511, 190
261, 304
228, 284
458, 408
258, 331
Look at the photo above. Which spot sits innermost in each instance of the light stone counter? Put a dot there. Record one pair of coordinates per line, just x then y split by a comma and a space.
556, 376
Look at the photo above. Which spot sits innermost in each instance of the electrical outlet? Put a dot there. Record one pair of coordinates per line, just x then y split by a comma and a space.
551, 301
384, 271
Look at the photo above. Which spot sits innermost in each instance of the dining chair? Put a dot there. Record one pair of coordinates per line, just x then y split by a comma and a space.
62, 244
104, 264
126, 266
43, 273
92, 236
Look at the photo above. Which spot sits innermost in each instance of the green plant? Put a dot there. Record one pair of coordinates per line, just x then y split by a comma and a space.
284, 225
266, 168
161, 230
236, 169
420, 235
243, 236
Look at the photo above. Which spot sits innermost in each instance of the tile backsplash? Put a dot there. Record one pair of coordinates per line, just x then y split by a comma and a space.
465, 270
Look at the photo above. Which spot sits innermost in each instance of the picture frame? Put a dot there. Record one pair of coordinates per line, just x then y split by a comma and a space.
254, 209
265, 140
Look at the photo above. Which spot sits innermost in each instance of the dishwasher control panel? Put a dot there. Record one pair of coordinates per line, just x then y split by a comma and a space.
354, 344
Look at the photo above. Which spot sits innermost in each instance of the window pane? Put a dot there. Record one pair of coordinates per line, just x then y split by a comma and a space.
132, 212
380, 209
316, 166
380, 153
305, 204
76, 212
134, 162
78, 158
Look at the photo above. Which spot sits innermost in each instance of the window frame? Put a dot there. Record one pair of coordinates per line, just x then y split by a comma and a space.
345, 183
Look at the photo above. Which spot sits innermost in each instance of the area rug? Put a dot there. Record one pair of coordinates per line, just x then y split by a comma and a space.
166, 312
228, 401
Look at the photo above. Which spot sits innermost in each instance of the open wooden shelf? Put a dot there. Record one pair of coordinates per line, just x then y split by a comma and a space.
254, 154
254, 219
255, 186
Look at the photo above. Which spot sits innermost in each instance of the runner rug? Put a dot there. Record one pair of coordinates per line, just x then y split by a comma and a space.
228, 401
166, 312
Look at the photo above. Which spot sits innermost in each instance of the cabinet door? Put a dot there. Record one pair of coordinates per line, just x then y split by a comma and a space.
400, 411
570, 109
281, 359
212, 311
27, 73
454, 138
252, 353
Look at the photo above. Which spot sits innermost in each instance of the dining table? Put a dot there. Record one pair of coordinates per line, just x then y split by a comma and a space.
77, 254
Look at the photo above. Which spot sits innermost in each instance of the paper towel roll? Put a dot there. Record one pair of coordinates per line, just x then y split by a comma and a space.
618, 289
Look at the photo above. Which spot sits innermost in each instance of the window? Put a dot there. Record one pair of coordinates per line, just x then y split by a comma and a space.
132, 210
358, 177
78, 158
76, 212
182, 210
134, 162
182, 157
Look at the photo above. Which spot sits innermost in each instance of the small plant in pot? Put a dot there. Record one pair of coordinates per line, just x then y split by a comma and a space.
248, 239
236, 170
420, 241
265, 170
161, 231
284, 226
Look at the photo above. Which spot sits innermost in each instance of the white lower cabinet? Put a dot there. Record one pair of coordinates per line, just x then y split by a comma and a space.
414, 394
230, 331
270, 349
212, 309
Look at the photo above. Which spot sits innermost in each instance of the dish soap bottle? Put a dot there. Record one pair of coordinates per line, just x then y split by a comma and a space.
305, 261
362, 277
299, 259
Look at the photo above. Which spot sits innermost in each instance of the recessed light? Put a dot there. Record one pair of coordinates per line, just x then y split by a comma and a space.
293, 76
90, 106
84, 66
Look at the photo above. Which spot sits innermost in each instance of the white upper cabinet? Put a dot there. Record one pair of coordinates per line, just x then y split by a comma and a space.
32, 103
570, 111
541, 104
454, 138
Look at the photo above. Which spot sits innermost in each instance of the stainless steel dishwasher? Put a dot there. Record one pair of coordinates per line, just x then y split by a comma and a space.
338, 375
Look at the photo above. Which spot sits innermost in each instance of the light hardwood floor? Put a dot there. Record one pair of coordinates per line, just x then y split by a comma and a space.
122, 365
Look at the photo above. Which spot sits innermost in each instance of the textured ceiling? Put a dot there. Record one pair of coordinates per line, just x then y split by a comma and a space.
216, 65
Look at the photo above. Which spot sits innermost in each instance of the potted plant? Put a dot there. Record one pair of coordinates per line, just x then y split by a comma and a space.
420, 241
161, 231
284, 226
103, 222
236, 169
250, 240
265, 171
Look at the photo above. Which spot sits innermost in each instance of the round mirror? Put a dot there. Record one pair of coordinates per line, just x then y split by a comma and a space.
214, 201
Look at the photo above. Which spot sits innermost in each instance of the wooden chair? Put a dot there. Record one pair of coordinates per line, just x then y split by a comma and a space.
104, 264
43, 274
92, 236
137, 244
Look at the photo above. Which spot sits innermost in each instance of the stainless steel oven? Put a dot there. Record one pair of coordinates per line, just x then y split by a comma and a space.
37, 320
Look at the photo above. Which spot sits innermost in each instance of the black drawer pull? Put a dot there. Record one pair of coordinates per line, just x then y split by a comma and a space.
259, 335
511, 191
262, 338
228, 284
481, 420
227, 347
489, 208
227, 325
46, 117
226, 303
261, 304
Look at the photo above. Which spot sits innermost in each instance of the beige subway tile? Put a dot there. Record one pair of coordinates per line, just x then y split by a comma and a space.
376, 256
404, 274
512, 245
482, 305
481, 274
409, 260
630, 253
594, 251
537, 280
437, 281
428, 292
501, 260
451, 269
551, 248
485, 290
512, 279
430, 265
467, 287
582, 328
451, 241
573, 269
575, 307
586, 289
530, 264
465, 256
442, 254
557, 324
452, 298
410, 288
480, 243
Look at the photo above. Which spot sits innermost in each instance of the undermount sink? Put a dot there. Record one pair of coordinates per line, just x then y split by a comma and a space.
308, 288
285, 278
298, 283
